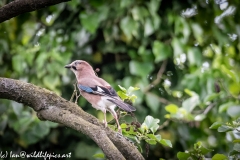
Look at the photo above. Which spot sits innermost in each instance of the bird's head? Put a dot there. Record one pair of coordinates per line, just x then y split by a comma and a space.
80, 67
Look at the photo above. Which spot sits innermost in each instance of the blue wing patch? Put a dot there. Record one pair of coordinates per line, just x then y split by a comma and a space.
85, 88
99, 90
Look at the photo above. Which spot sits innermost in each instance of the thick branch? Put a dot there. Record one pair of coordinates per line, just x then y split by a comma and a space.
51, 107
18, 7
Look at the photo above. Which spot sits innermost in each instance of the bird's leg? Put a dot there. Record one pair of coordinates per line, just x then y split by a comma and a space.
105, 119
114, 114
119, 127
72, 96
77, 96
74, 93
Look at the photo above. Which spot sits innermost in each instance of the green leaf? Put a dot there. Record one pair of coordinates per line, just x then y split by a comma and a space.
151, 123
211, 97
122, 88
154, 137
89, 21
236, 141
153, 6
190, 103
22, 124
190, 93
17, 108
131, 89
148, 27
122, 95
51, 124
151, 141
40, 129
219, 157
236, 147
160, 51
158, 137
18, 63
99, 155
125, 3
230, 73
205, 150
151, 136
225, 128
133, 98
123, 125
139, 12
129, 27
166, 142
234, 111
152, 101
29, 137
200, 117
183, 155
140, 68
172, 108
215, 125
194, 56
225, 106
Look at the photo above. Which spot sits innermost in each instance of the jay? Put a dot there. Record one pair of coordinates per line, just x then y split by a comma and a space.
97, 91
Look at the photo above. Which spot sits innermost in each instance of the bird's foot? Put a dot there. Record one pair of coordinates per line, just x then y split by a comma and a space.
120, 130
105, 123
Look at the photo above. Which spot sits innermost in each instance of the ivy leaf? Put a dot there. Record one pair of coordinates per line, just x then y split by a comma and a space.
160, 51
140, 68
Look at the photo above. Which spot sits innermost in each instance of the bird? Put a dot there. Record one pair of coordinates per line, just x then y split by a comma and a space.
97, 91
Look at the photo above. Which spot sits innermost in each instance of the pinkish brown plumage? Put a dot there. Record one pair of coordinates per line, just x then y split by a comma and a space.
97, 91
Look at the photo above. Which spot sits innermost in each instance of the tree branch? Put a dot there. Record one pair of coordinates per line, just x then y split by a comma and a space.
50, 106
18, 7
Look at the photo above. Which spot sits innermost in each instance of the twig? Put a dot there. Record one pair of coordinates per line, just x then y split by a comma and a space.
209, 108
159, 76
164, 124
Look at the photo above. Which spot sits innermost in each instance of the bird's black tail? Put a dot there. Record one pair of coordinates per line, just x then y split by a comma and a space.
122, 105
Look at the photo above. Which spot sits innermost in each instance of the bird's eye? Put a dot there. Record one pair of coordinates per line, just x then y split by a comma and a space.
76, 63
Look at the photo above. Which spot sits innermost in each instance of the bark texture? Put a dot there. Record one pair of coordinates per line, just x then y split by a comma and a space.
50, 106
18, 7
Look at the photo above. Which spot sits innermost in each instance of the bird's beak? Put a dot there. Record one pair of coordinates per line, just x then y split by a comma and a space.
68, 66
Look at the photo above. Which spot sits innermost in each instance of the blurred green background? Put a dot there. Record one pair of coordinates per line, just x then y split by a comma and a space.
129, 41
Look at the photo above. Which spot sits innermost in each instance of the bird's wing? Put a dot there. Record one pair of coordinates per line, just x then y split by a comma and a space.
100, 90
108, 92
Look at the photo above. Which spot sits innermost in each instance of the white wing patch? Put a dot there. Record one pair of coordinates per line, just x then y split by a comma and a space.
100, 89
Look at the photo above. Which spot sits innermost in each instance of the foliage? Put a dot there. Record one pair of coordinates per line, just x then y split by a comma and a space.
183, 55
